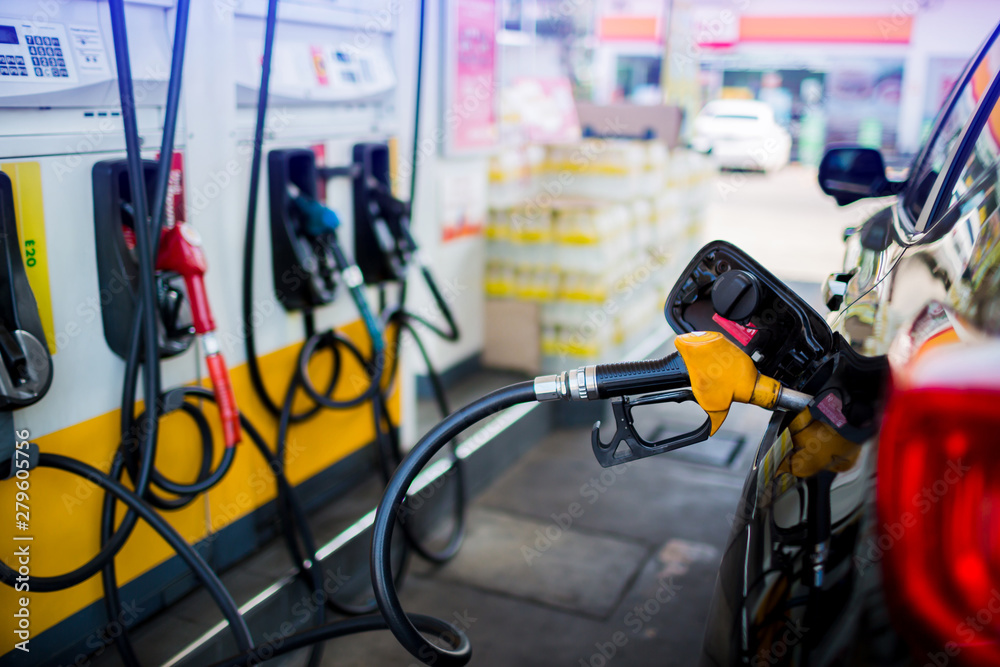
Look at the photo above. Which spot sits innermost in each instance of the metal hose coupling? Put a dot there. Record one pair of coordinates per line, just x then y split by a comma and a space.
601, 381
565, 386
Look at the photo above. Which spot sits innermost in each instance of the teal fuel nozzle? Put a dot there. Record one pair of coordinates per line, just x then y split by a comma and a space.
321, 224
319, 219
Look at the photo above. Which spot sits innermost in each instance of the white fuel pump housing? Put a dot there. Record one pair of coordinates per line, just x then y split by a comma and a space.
59, 54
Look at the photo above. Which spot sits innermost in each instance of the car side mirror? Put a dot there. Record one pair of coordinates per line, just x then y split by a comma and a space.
850, 173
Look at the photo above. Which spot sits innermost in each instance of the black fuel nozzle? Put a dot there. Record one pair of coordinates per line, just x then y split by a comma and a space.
321, 223
707, 369
26, 368
394, 237
666, 376
15, 360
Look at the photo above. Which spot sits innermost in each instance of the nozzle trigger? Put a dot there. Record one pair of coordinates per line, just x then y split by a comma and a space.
636, 447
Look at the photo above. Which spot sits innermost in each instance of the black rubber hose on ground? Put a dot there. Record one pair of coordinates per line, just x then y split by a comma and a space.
187, 552
349, 626
392, 500
390, 453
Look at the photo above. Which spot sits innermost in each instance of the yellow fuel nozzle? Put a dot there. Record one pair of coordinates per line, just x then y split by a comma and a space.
722, 374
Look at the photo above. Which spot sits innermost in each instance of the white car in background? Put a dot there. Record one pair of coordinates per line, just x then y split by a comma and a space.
742, 134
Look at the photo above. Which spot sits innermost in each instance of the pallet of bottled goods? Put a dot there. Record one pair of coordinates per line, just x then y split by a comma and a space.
583, 244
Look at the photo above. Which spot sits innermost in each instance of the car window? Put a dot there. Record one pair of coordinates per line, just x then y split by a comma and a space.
973, 194
971, 225
979, 168
945, 142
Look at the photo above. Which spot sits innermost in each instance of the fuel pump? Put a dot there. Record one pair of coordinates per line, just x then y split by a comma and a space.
115, 238
309, 262
308, 259
179, 281
157, 308
384, 244
382, 239
386, 249
144, 338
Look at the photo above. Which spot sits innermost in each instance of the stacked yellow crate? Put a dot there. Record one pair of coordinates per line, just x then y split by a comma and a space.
598, 233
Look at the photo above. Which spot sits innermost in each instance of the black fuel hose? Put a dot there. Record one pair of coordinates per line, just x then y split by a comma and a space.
294, 526
349, 626
188, 553
144, 238
145, 324
207, 478
288, 501
418, 94
392, 500
249, 335
391, 454
607, 380
451, 333
331, 340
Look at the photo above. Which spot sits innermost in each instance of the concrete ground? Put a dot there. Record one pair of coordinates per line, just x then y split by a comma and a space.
783, 220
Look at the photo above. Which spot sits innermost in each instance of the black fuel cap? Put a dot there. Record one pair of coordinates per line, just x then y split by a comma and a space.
736, 295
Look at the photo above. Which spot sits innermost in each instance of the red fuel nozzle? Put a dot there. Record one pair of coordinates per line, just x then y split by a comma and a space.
180, 251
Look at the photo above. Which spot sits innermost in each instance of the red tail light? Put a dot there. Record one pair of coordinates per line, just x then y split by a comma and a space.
939, 504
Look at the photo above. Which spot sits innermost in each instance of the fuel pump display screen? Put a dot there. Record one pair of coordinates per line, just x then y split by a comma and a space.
8, 35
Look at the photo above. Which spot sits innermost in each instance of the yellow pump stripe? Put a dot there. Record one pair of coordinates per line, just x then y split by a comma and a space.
65, 510
26, 179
